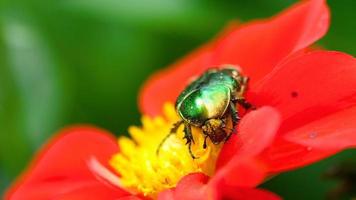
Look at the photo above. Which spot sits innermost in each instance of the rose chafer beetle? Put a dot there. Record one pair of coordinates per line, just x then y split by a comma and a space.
208, 102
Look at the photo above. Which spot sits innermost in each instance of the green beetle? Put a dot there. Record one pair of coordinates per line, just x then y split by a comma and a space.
207, 103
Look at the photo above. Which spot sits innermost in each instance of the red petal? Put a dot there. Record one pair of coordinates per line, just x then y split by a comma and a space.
309, 87
60, 170
241, 173
166, 195
132, 197
233, 193
256, 131
198, 187
190, 187
283, 155
304, 89
259, 46
336, 131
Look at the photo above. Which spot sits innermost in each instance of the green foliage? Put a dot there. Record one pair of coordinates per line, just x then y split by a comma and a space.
83, 61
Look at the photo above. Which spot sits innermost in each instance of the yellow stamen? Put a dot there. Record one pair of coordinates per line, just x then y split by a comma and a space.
143, 171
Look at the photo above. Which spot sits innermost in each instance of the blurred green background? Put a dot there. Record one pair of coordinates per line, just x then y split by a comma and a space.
83, 61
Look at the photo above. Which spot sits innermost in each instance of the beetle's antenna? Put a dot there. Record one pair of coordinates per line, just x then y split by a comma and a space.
172, 131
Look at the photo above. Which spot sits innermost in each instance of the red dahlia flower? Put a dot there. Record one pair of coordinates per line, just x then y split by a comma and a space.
306, 110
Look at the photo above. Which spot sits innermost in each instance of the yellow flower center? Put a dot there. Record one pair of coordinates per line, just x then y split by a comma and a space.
143, 171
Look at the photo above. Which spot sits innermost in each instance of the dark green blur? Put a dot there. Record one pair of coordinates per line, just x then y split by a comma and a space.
83, 61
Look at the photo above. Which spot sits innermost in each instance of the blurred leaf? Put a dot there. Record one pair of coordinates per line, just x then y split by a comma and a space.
31, 92
160, 15
191, 18
341, 36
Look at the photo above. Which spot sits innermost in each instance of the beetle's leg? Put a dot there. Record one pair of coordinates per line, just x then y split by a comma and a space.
235, 119
171, 132
234, 115
190, 151
204, 145
243, 86
246, 105
239, 96
188, 135
205, 137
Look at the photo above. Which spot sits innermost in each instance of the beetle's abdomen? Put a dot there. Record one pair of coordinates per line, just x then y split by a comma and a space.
205, 103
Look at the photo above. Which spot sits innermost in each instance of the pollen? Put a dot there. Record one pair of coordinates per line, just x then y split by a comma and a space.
144, 171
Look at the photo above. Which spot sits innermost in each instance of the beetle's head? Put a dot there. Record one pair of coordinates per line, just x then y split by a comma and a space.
214, 129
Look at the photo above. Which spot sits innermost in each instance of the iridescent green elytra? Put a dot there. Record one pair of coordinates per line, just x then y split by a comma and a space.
208, 101
206, 98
